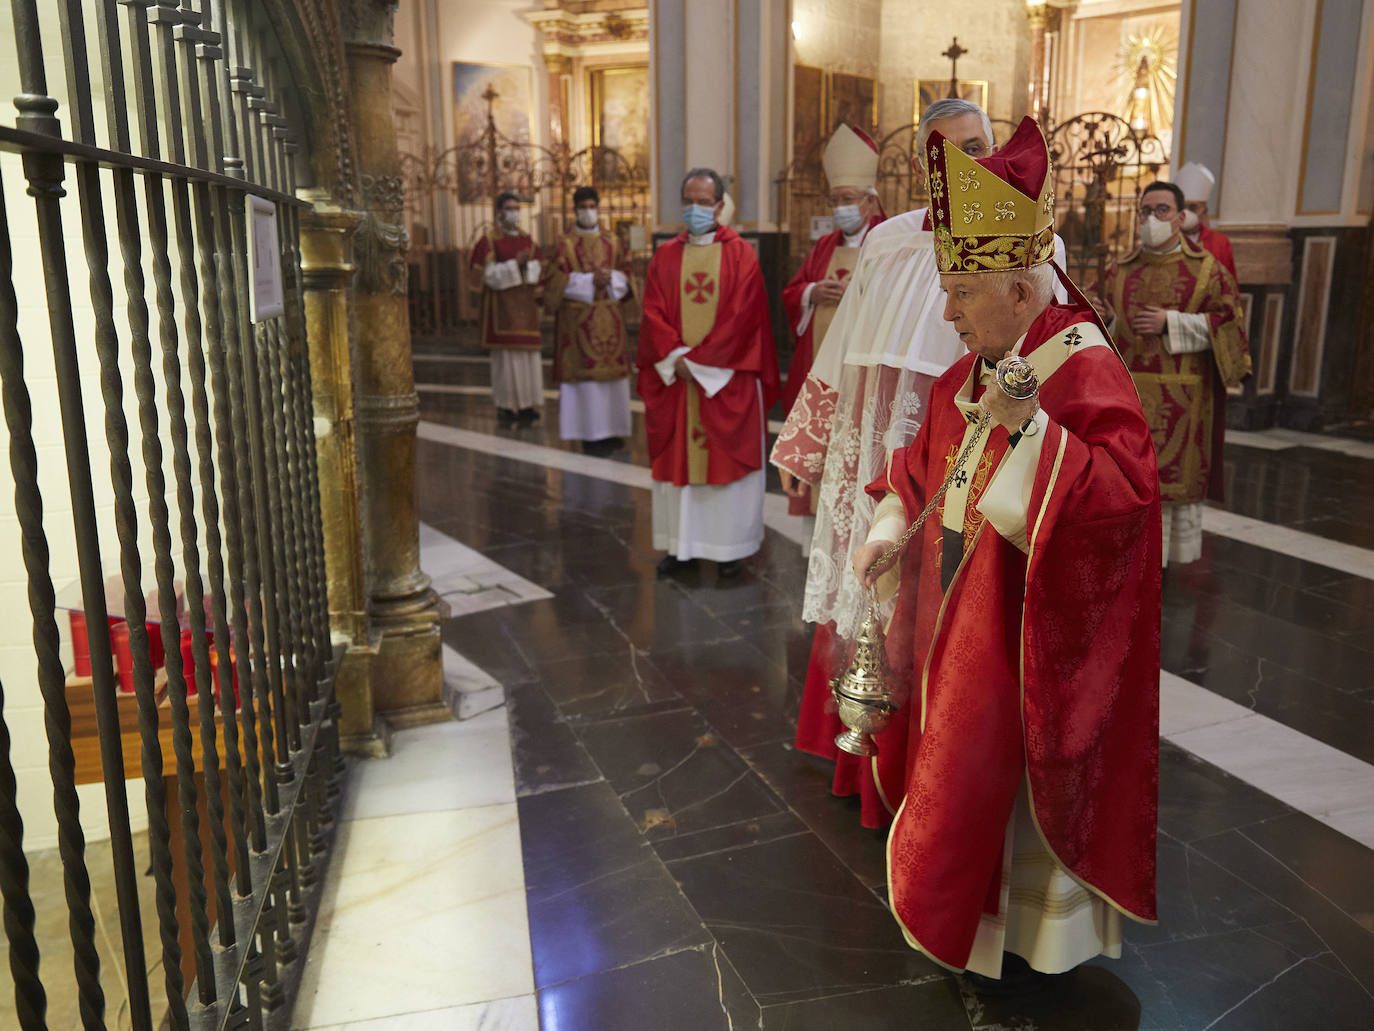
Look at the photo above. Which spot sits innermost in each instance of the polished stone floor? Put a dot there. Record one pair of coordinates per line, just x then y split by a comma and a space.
685, 868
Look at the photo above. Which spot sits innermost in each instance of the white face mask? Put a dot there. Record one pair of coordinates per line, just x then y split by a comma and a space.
848, 219
1190, 221
511, 218
587, 218
1154, 234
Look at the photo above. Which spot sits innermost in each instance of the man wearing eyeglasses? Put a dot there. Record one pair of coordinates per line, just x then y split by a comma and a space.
1179, 325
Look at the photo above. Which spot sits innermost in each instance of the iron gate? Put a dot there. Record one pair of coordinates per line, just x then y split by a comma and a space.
239, 811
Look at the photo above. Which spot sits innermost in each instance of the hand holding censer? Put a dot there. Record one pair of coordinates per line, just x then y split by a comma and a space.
864, 699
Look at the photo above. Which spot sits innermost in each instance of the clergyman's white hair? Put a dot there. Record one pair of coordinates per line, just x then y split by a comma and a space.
948, 107
1040, 279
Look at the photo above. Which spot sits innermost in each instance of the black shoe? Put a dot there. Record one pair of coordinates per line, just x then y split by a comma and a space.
528, 416
505, 417
1017, 979
610, 444
730, 570
670, 564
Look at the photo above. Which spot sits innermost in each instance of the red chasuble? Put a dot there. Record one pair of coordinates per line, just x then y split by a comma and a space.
510, 318
1218, 245
829, 259
710, 298
1038, 665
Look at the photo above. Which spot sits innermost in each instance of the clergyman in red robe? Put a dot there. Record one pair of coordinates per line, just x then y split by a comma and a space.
1197, 181
1023, 769
707, 373
812, 297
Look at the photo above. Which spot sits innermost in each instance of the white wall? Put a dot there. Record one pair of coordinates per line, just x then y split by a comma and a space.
994, 32
839, 35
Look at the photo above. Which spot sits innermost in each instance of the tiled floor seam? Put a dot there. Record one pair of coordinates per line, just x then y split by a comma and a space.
435, 809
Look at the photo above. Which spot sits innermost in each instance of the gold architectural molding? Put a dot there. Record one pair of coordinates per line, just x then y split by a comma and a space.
584, 34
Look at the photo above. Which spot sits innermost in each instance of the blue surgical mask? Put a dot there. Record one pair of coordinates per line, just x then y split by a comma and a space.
698, 218
847, 219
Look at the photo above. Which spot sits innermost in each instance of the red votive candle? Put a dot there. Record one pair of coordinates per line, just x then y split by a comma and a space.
81, 645
123, 656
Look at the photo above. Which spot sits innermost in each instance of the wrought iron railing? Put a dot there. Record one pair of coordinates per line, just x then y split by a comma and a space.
226, 389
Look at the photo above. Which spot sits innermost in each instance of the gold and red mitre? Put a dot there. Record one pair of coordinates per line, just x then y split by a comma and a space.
994, 213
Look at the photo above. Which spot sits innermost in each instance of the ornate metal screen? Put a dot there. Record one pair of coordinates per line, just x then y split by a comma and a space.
450, 197
1100, 167
222, 395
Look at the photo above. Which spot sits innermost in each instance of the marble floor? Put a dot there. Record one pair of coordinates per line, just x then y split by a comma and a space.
632, 843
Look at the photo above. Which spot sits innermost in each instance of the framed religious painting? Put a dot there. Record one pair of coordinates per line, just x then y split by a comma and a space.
930, 90
808, 118
509, 91
620, 112
853, 100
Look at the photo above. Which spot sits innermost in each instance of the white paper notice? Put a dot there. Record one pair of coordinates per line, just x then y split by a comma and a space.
267, 278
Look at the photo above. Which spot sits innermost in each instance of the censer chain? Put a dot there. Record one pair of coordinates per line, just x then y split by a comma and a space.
890, 555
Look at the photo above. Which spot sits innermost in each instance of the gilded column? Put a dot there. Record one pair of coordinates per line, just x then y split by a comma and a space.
560, 108
328, 270
403, 611
1037, 11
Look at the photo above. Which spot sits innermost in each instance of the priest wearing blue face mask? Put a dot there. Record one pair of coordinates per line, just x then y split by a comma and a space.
1175, 312
810, 299
707, 373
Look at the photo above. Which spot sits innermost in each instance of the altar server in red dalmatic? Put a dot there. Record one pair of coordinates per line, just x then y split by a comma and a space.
707, 373
1024, 768
590, 283
508, 262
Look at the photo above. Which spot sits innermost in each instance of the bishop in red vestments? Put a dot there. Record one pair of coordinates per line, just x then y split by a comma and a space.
1196, 181
707, 373
811, 298
1023, 770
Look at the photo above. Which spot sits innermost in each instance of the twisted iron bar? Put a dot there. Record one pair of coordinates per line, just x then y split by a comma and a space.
89, 194
30, 998
308, 451
131, 567
200, 78
252, 471
145, 389
155, 204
